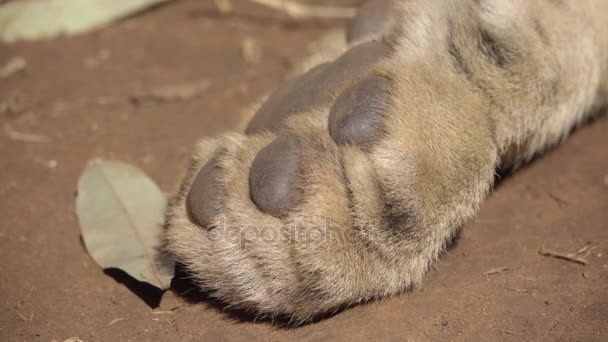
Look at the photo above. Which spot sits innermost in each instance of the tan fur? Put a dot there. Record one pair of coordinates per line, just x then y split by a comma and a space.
452, 120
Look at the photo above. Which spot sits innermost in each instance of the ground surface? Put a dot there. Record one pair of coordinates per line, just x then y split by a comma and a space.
76, 93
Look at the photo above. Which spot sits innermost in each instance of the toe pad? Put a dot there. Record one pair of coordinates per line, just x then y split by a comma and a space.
273, 177
203, 197
356, 116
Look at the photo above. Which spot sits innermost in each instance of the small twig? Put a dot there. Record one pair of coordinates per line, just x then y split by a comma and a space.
73, 339
162, 312
24, 137
300, 11
251, 51
23, 317
557, 255
517, 290
584, 249
115, 320
172, 93
558, 200
498, 270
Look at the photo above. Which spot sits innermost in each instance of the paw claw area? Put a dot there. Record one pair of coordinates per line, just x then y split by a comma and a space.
273, 177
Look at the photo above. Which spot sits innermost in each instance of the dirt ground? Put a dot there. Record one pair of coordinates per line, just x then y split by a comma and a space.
74, 97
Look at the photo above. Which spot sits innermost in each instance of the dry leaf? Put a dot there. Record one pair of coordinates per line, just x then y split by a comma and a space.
43, 19
121, 214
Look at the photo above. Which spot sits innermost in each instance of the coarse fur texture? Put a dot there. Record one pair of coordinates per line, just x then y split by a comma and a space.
383, 145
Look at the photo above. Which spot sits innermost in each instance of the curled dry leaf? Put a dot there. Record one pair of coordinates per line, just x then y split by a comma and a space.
121, 213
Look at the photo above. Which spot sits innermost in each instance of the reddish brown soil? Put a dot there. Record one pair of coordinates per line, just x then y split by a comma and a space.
50, 289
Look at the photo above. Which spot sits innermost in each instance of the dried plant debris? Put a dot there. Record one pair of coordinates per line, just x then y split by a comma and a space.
13, 106
73, 339
224, 6
24, 137
14, 66
100, 57
114, 321
44, 19
172, 93
251, 51
578, 257
498, 270
298, 10
512, 289
121, 214
568, 257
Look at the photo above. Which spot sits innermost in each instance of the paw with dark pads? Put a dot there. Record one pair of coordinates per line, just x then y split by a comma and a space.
303, 174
